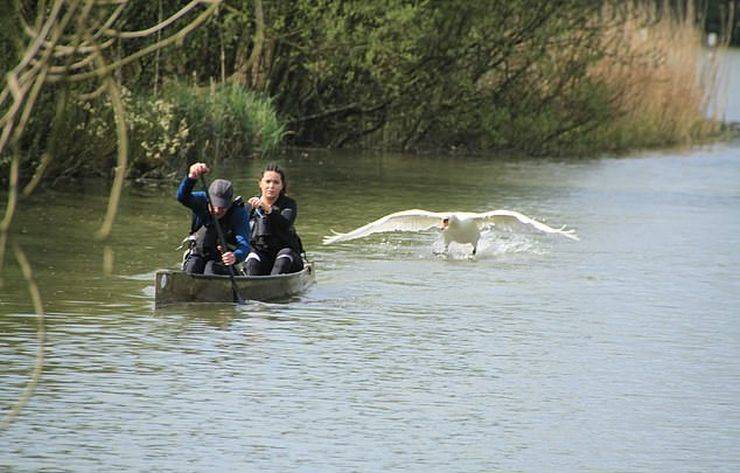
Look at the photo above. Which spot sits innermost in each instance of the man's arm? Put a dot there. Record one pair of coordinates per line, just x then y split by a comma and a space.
184, 191
195, 201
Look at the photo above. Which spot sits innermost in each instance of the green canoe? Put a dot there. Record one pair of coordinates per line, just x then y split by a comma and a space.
176, 286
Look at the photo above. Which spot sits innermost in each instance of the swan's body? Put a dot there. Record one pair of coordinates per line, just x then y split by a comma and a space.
459, 227
464, 230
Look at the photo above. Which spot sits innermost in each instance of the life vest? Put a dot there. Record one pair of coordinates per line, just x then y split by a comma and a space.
204, 238
265, 237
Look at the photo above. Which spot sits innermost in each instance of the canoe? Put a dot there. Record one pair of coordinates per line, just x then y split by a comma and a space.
176, 286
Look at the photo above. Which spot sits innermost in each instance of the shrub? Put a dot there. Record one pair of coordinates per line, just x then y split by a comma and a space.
228, 121
183, 125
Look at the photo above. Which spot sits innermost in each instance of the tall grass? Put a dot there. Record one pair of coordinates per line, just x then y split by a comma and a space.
226, 121
184, 124
661, 81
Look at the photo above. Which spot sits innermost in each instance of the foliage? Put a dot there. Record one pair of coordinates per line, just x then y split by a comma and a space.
166, 132
539, 76
420, 74
457, 74
226, 121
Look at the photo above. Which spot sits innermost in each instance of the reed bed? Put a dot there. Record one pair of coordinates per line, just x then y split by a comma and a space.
664, 86
226, 120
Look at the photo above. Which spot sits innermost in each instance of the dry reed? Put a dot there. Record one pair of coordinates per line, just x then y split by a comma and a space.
663, 82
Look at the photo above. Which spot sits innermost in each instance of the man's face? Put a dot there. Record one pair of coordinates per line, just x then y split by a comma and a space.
218, 212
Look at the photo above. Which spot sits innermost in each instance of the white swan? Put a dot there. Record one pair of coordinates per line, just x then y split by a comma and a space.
460, 227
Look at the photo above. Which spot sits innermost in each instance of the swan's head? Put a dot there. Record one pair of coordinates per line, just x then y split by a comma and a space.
449, 221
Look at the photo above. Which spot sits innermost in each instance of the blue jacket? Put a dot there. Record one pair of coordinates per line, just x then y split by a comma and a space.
236, 219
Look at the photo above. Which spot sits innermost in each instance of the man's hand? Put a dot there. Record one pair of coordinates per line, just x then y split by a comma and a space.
197, 170
228, 258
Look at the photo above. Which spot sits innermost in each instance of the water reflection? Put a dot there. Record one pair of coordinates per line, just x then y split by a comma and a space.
35, 374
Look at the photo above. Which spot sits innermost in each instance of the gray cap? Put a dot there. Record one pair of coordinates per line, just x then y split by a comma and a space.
221, 193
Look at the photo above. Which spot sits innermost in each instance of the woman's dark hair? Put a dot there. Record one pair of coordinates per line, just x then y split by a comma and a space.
275, 168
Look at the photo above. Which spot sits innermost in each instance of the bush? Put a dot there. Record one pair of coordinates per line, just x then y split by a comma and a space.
183, 125
226, 121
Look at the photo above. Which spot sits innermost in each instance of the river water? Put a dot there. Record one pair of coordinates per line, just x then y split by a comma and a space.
620, 352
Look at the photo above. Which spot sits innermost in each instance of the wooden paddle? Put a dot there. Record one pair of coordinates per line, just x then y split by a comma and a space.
237, 297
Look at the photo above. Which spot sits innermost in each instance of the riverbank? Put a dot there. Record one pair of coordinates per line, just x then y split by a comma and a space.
556, 80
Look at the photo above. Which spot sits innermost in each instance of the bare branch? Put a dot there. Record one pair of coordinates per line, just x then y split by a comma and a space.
160, 26
120, 119
37, 67
142, 52
39, 41
12, 193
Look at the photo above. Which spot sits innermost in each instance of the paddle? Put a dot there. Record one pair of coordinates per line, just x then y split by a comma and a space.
237, 297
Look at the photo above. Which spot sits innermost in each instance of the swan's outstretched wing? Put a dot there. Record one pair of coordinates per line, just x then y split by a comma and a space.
505, 218
405, 221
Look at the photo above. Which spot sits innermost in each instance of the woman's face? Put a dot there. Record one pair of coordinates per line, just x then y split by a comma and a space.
271, 184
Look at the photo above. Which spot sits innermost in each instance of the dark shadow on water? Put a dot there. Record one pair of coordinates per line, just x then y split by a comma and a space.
221, 315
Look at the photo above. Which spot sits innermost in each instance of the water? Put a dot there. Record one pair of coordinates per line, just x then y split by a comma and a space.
616, 353
729, 71
620, 352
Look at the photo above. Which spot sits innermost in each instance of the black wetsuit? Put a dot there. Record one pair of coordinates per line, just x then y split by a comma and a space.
276, 247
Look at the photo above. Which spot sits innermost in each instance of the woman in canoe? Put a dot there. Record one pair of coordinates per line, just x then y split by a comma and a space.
276, 247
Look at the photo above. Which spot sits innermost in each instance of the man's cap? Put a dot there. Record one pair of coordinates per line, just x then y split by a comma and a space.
221, 193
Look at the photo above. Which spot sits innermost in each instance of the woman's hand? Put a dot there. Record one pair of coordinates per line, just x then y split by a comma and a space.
257, 202
197, 170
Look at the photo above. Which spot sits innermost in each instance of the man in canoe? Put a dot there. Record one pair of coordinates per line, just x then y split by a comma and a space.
207, 254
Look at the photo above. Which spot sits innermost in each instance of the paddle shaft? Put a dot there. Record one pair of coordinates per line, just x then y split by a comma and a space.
219, 231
